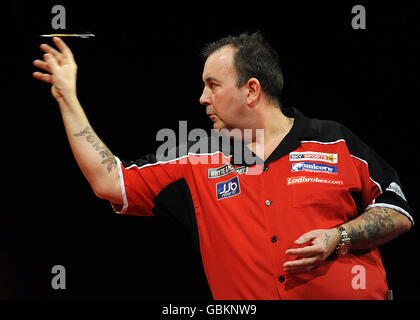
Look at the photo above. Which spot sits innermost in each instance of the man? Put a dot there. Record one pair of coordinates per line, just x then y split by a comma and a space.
300, 229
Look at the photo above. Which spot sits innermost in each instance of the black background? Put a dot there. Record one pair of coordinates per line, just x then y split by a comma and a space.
142, 73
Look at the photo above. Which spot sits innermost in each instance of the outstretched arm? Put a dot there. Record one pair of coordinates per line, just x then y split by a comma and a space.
93, 157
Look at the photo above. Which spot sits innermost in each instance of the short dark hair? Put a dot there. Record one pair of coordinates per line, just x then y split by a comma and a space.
255, 58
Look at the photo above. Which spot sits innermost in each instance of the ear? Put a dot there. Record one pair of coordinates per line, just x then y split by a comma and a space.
254, 92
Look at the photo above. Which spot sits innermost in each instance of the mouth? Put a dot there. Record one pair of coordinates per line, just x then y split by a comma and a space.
209, 111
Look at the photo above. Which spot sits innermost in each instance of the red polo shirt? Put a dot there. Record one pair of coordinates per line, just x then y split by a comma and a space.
320, 176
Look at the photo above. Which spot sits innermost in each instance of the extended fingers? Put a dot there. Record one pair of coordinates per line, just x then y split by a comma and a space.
48, 49
64, 50
51, 62
42, 65
306, 251
307, 237
300, 263
43, 77
53, 59
63, 47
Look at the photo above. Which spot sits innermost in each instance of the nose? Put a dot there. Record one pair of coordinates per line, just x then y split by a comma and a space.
205, 97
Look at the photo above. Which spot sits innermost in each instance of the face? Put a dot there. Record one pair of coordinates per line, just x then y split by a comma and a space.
225, 102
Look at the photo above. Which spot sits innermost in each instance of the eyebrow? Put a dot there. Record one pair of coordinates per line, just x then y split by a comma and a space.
209, 79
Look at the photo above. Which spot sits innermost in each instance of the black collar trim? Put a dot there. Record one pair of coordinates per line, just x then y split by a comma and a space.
303, 129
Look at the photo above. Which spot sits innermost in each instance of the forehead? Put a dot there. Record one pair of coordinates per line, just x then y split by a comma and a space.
220, 63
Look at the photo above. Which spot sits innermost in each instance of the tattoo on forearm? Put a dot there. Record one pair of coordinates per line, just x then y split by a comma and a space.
376, 221
104, 152
327, 239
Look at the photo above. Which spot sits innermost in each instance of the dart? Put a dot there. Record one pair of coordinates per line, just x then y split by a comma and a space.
78, 35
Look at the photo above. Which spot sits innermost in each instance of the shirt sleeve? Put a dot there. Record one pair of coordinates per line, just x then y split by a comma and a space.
142, 180
381, 186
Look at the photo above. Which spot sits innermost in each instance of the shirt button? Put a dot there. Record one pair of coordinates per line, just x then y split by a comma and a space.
265, 168
281, 279
267, 202
273, 239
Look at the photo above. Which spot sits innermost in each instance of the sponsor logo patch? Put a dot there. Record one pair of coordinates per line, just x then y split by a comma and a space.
312, 167
303, 179
316, 156
228, 188
225, 170
394, 187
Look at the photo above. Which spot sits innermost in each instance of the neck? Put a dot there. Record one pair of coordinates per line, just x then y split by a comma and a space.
275, 127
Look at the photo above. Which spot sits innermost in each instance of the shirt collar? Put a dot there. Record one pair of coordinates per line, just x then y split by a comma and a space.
303, 129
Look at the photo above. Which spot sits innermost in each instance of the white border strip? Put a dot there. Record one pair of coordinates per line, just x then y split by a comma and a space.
186, 156
391, 206
331, 142
121, 176
124, 195
367, 164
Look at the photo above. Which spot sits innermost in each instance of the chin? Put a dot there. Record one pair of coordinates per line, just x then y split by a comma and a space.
217, 125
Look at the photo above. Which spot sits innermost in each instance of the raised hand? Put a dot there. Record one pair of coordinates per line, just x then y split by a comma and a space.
61, 67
